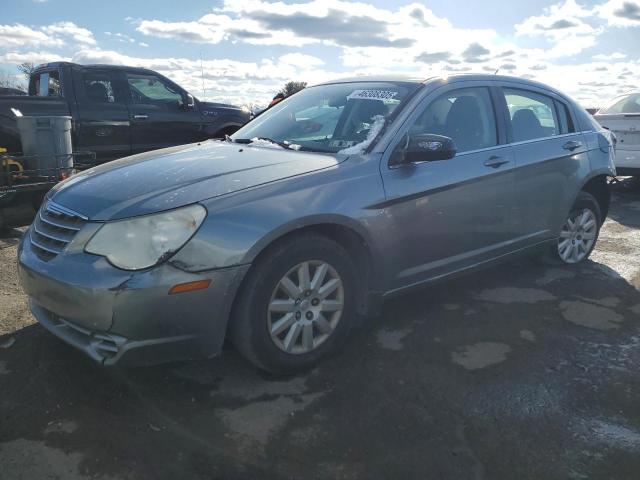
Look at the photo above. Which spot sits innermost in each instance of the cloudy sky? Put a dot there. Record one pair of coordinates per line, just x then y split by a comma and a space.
247, 49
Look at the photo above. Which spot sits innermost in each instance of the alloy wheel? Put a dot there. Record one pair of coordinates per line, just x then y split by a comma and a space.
305, 307
577, 236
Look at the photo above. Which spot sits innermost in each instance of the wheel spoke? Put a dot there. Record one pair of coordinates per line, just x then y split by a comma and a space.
282, 306
565, 234
584, 216
303, 276
283, 324
589, 235
323, 325
589, 225
328, 288
292, 336
318, 276
565, 250
290, 288
307, 337
330, 305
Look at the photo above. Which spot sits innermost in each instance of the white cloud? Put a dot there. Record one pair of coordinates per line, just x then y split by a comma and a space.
301, 60
565, 25
19, 35
620, 13
70, 29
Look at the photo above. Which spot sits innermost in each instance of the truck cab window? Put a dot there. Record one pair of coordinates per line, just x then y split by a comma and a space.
151, 90
47, 84
98, 88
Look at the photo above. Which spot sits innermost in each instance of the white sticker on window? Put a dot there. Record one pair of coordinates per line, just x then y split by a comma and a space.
372, 95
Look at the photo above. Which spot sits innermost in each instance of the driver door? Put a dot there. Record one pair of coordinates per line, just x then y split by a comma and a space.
452, 214
157, 119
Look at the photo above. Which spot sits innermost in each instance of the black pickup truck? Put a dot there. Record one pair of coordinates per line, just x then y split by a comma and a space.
117, 111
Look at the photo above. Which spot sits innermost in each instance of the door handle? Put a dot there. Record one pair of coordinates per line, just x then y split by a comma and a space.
494, 161
572, 145
140, 117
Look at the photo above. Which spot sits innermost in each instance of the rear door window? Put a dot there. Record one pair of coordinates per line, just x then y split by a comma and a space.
465, 115
98, 88
532, 115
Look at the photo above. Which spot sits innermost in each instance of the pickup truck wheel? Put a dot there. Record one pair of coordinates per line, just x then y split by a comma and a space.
296, 306
580, 231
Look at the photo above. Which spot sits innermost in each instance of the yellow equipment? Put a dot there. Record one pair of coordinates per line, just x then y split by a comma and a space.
11, 165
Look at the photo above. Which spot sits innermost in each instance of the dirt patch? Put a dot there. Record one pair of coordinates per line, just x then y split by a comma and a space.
481, 355
14, 313
590, 316
392, 339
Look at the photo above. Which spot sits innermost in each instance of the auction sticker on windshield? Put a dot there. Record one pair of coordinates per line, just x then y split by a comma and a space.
372, 95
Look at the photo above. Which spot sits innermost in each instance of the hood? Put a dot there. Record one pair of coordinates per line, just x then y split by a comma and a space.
174, 177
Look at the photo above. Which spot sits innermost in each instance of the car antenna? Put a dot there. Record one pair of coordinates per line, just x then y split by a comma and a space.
202, 76
496, 72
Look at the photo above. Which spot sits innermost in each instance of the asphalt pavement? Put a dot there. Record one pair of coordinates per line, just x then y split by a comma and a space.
522, 371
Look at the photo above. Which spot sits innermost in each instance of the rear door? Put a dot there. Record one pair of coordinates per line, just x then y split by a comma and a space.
452, 214
102, 124
549, 151
158, 116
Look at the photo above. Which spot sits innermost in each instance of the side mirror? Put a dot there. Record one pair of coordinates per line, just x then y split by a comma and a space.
187, 103
427, 147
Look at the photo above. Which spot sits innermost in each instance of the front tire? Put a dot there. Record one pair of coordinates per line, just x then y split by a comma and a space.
580, 231
297, 304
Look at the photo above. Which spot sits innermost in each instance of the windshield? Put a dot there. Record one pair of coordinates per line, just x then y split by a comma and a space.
625, 104
329, 118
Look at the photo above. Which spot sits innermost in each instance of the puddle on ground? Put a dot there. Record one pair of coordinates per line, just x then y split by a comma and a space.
528, 335
590, 316
480, 355
4, 370
451, 306
392, 339
514, 295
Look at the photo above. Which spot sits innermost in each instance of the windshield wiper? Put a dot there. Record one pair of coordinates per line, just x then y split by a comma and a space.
284, 144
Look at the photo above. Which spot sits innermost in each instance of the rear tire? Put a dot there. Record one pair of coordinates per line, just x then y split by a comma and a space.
283, 320
579, 233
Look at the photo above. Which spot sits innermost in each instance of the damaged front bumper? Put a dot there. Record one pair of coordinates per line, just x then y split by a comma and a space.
119, 317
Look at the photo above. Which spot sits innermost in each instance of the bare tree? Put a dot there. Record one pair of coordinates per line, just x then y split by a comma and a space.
292, 87
26, 68
9, 81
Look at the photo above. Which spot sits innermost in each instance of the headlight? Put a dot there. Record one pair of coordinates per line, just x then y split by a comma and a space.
146, 241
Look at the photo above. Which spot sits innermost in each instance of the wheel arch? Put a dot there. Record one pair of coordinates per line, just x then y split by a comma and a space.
342, 231
598, 186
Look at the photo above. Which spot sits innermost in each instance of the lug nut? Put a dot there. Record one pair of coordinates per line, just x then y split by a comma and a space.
298, 315
309, 315
315, 302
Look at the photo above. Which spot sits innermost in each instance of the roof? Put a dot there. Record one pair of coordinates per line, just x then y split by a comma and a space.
95, 65
482, 77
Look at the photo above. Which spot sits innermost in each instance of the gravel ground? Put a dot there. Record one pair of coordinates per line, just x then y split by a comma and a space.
522, 371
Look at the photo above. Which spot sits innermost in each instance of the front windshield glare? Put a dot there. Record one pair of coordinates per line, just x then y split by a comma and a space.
329, 118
